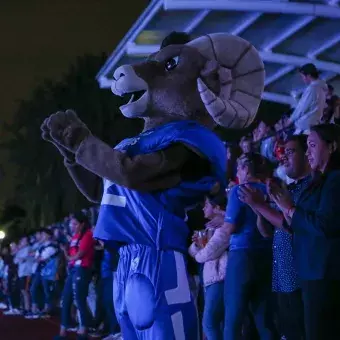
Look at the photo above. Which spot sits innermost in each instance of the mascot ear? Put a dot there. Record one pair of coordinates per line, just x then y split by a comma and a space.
210, 75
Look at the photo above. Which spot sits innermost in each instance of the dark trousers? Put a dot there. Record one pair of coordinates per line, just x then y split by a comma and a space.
249, 331
321, 299
13, 292
248, 284
39, 282
200, 307
105, 308
200, 299
58, 290
290, 314
107, 296
76, 290
99, 311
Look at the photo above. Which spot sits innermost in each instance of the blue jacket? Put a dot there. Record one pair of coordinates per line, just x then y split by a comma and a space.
316, 227
157, 218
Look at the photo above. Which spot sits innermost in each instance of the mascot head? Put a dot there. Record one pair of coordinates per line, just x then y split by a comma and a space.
217, 78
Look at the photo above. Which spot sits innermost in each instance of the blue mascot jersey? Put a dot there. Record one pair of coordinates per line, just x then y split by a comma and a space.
157, 218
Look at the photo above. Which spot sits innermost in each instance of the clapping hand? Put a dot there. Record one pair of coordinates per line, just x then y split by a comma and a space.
280, 196
250, 196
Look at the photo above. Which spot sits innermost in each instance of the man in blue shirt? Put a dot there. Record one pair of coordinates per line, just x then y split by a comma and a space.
285, 278
285, 282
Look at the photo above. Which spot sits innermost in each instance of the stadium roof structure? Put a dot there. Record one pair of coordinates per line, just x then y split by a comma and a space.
287, 34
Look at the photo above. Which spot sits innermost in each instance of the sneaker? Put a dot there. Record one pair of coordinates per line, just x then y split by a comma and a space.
59, 337
116, 336
8, 312
72, 329
13, 311
3, 306
95, 334
31, 316
44, 315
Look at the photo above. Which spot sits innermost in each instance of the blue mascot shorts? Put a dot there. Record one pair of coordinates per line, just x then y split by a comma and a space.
152, 295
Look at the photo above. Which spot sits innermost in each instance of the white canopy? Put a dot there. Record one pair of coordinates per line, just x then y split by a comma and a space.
288, 34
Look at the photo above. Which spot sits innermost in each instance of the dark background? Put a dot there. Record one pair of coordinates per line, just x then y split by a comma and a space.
41, 38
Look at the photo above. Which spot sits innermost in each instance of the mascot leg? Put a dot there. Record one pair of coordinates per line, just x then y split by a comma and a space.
152, 295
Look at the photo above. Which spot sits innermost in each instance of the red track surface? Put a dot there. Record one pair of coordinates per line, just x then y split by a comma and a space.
18, 328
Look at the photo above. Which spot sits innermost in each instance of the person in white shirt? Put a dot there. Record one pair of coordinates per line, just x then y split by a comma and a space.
36, 244
44, 274
310, 108
25, 262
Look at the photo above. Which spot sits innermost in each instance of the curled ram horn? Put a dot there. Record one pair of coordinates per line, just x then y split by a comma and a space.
241, 75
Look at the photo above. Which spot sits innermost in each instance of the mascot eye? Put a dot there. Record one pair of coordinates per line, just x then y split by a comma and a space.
171, 63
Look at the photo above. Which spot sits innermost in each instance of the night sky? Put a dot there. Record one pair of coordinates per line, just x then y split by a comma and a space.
41, 39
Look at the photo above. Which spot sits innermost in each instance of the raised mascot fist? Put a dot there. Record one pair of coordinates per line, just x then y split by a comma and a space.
65, 130
45, 134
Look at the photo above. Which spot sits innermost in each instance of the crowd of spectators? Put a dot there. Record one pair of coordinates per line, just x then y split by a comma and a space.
265, 260
270, 253
61, 270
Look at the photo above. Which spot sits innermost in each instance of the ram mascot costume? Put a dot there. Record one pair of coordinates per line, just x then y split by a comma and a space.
146, 184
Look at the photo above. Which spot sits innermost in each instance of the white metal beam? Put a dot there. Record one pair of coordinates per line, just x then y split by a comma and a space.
138, 26
325, 46
302, 8
277, 98
134, 49
251, 18
295, 27
278, 74
299, 61
329, 76
292, 60
197, 20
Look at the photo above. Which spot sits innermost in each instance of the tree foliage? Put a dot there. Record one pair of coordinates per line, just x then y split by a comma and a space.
44, 188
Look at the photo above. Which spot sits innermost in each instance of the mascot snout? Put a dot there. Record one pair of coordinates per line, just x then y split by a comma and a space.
134, 89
